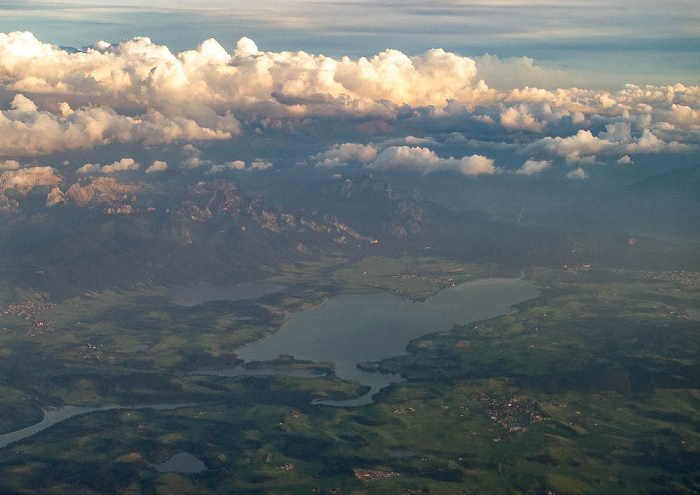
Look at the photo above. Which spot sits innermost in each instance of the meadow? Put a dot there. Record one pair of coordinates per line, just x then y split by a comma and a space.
592, 387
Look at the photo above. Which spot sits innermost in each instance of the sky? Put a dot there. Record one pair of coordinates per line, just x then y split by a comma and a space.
573, 89
601, 42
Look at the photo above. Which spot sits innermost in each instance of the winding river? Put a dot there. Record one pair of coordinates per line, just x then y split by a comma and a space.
54, 416
345, 330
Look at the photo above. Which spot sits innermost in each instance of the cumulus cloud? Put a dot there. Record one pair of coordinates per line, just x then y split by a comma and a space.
137, 91
194, 157
519, 118
150, 74
25, 178
204, 83
624, 160
239, 165
122, 165
340, 154
9, 165
576, 159
233, 165
416, 141
579, 174
21, 104
424, 160
582, 143
617, 139
88, 169
260, 164
25, 130
531, 167
157, 166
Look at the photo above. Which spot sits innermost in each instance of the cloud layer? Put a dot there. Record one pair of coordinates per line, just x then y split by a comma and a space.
405, 108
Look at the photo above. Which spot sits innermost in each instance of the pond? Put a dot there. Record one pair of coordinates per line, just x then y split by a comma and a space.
351, 329
184, 462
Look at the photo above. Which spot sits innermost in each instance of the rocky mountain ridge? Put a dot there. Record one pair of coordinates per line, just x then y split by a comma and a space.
66, 237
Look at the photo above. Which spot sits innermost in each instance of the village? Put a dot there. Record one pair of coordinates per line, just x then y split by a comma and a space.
29, 311
513, 413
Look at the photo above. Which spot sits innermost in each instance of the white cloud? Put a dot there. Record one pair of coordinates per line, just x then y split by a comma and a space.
579, 174
576, 159
582, 143
341, 154
137, 91
531, 167
406, 157
27, 131
151, 75
425, 161
416, 141
9, 165
617, 139
649, 143
157, 166
194, 159
123, 165
25, 178
428, 79
233, 165
22, 104
624, 160
260, 164
120, 166
519, 118
239, 165
88, 169
617, 131
683, 115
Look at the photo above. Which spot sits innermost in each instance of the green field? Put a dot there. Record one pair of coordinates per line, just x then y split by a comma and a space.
593, 387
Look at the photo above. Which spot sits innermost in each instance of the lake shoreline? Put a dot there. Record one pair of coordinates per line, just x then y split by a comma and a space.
474, 300
378, 381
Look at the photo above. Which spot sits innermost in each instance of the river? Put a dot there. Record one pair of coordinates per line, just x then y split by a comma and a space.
345, 330
54, 416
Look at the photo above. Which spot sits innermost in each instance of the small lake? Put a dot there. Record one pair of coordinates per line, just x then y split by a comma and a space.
193, 295
184, 462
350, 329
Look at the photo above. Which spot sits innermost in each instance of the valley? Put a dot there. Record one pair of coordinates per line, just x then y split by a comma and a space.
601, 371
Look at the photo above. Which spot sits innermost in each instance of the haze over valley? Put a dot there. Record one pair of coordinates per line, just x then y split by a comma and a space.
357, 248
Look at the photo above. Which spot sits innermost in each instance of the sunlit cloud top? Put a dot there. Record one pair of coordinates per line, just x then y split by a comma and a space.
436, 111
602, 41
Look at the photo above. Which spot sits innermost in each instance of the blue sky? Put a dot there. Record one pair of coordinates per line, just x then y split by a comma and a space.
600, 44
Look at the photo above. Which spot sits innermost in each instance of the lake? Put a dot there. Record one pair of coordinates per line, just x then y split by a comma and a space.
350, 329
345, 330
184, 462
